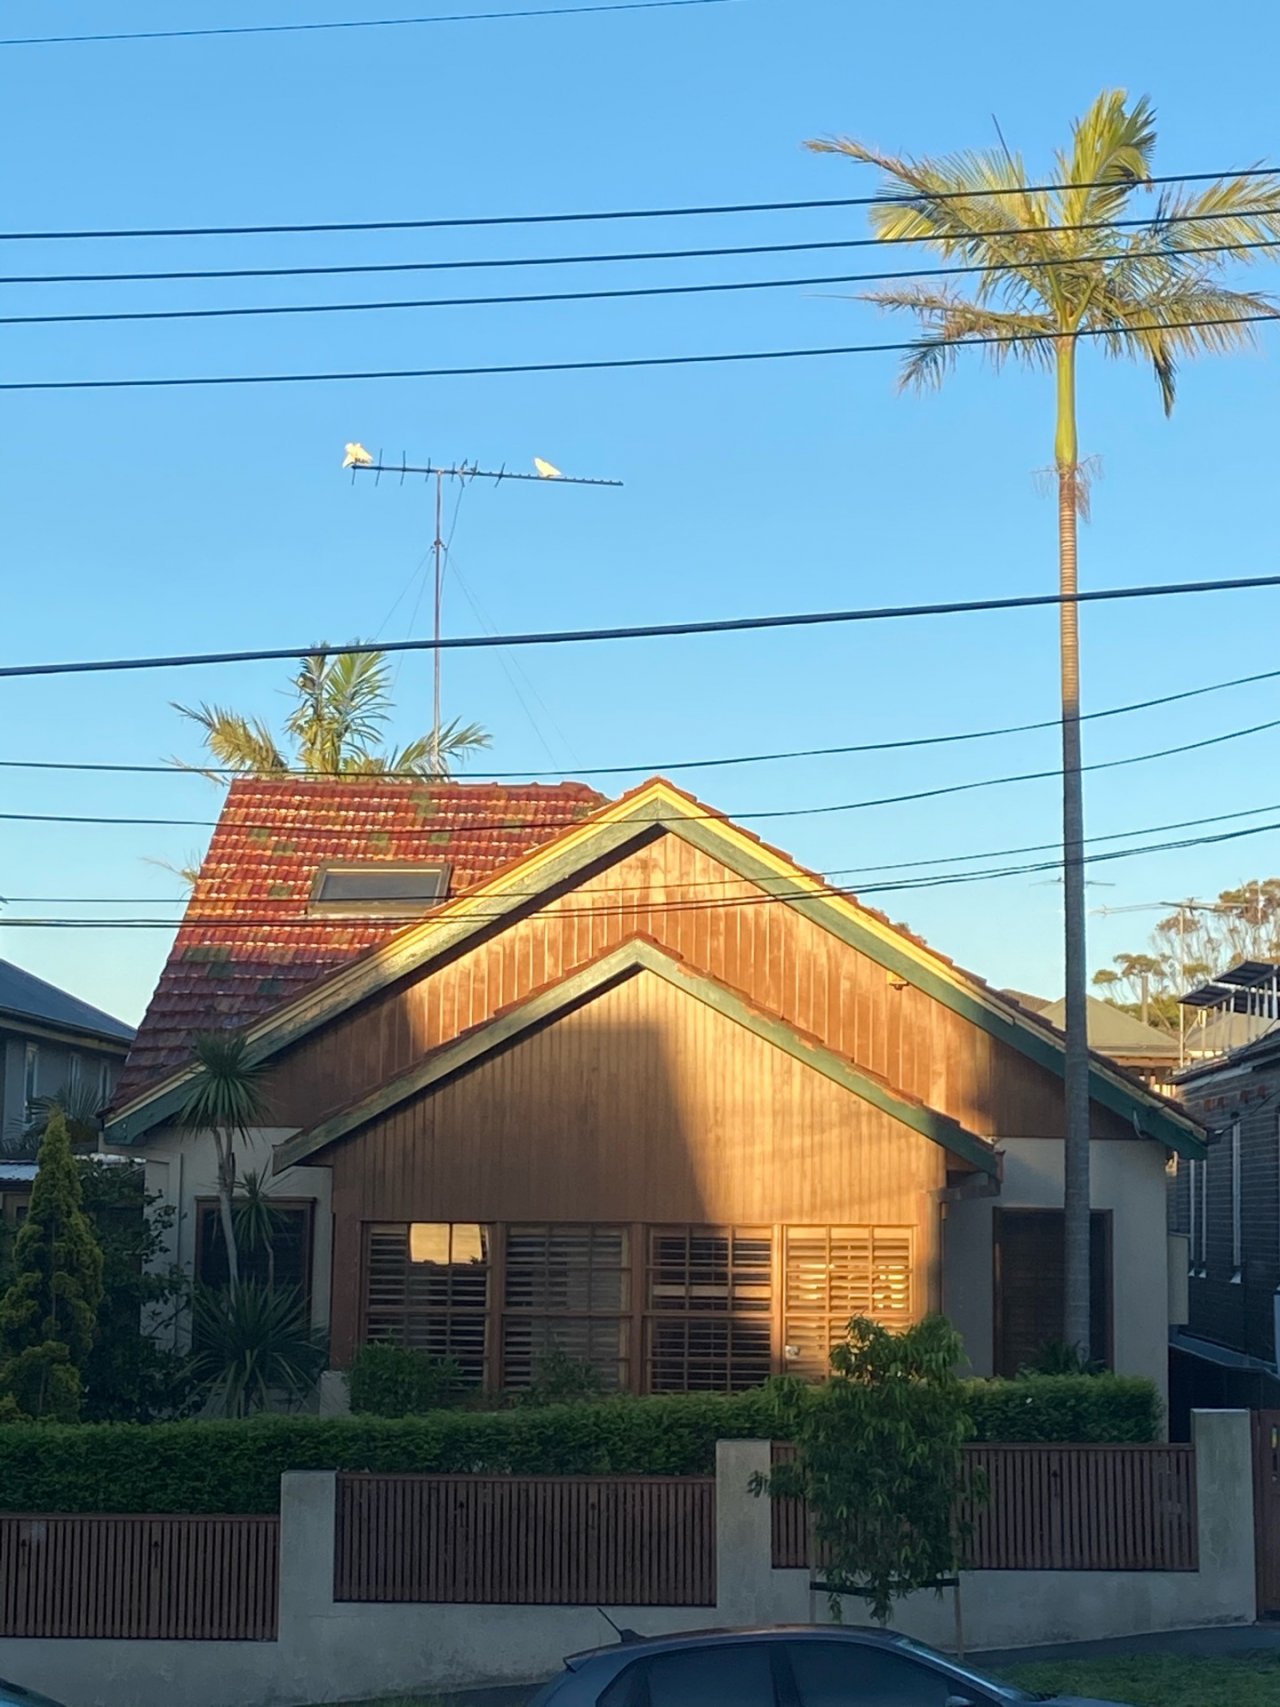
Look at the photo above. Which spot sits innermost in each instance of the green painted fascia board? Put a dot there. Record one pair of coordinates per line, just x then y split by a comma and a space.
304, 1015
592, 980
1156, 1122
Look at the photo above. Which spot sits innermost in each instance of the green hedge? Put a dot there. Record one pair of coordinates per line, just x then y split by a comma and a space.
236, 1466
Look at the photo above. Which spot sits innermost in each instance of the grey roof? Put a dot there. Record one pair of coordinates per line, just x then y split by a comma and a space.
24, 996
1111, 1030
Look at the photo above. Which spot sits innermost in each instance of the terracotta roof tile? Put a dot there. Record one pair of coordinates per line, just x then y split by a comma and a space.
272, 838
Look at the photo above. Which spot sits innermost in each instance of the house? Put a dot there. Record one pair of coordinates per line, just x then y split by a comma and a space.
1226, 1206
617, 1077
1151, 1055
52, 1043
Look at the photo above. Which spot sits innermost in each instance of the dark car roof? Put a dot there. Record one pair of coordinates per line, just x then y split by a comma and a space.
637, 1645
29, 1697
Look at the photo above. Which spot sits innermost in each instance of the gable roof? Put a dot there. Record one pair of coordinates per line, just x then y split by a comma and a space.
1114, 1032
640, 954
654, 807
24, 996
248, 944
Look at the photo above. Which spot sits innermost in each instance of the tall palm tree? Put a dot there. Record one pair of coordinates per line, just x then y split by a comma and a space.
227, 1099
342, 704
1050, 267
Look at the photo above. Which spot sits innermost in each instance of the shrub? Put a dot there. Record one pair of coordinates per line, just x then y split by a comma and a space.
233, 1466
392, 1381
561, 1380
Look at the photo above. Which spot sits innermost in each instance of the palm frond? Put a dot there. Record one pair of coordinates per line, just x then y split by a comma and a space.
228, 1093
949, 320
342, 707
1228, 211
238, 743
1190, 317
458, 741
1112, 149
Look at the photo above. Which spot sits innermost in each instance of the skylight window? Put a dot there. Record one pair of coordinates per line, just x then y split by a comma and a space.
397, 891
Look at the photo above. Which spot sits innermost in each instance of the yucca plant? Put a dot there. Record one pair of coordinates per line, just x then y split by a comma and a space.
227, 1099
1049, 269
252, 1344
342, 704
258, 1222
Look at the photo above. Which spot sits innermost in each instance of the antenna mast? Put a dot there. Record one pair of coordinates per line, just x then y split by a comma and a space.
360, 462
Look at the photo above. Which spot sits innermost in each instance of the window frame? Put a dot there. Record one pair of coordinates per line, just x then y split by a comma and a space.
491, 1246
655, 1314
1097, 1217
306, 1204
30, 1080
876, 1235
503, 1311
1237, 1206
401, 907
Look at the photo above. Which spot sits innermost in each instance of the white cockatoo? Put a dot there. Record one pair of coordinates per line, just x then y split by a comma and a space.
547, 470
357, 457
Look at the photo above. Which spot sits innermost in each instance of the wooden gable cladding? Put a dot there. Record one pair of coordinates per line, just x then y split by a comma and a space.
642, 1106
696, 908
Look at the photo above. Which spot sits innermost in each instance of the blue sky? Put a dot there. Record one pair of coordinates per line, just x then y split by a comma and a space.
161, 521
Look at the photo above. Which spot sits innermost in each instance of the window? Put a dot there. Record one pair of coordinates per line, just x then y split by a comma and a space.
73, 1075
394, 890
567, 1288
30, 1079
1237, 1223
834, 1273
710, 1303
1030, 1273
1193, 1224
287, 1265
427, 1286
735, 1674
856, 1674
1204, 1217
104, 1083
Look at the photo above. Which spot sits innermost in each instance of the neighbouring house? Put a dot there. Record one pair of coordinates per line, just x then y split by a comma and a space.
618, 1078
1149, 1054
52, 1043
1226, 1206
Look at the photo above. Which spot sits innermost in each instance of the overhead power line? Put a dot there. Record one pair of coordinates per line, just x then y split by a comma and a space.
360, 23
678, 212
612, 294
663, 768
640, 907
644, 631
429, 830
708, 253
616, 363
721, 883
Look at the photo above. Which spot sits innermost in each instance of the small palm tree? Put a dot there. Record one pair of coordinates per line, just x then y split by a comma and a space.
336, 728
250, 1344
227, 1099
1043, 283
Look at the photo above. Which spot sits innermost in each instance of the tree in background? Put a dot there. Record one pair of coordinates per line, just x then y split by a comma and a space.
342, 705
227, 1099
49, 1314
879, 1460
1050, 267
1193, 943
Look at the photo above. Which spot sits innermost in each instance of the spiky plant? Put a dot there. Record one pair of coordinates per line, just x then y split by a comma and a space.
1050, 269
227, 1099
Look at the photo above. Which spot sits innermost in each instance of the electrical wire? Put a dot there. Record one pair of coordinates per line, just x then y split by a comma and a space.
639, 907
726, 882
360, 23
643, 631
1156, 223
735, 817
664, 768
892, 199
617, 363
255, 310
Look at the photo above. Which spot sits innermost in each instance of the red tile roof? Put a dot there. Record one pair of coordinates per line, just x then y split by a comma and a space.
272, 838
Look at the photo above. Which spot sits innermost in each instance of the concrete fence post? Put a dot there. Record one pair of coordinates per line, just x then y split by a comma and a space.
1224, 1498
748, 1589
308, 1540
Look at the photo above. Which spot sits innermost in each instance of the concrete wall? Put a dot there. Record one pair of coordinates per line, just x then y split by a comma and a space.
182, 1167
1126, 1178
329, 1651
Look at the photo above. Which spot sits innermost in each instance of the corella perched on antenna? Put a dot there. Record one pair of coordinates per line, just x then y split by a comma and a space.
547, 470
357, 457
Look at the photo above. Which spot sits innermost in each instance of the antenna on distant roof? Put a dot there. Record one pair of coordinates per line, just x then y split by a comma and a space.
359, 461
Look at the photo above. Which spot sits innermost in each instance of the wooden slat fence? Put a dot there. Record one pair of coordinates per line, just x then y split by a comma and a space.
187, 1578
527, 1540
1057, 1508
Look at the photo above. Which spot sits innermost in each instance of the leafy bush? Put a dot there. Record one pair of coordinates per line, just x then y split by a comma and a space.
559, 1379
233, 1466
392, 1381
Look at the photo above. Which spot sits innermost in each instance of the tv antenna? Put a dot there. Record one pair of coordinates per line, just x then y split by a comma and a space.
359, 461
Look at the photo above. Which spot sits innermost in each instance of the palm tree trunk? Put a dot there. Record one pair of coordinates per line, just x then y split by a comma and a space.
226, 1187
1076, 1197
